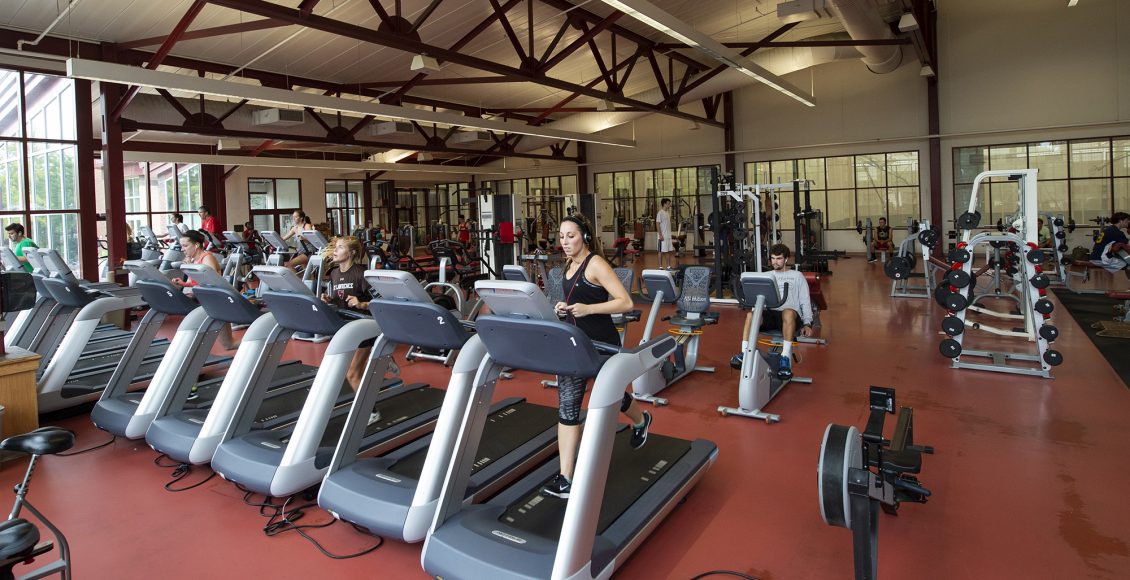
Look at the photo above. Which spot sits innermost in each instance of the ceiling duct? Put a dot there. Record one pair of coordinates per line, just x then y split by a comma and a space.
392, 128
862, 21
278, 117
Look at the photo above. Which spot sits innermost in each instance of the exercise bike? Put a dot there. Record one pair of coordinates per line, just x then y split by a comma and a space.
693, 300
859, 473
19, 538
760, 381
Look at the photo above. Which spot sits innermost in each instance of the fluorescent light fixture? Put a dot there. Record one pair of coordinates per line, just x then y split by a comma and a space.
424, 62
652, 16
605, 105
927, 71
1071, 3
132, 75
227, 144
908, 22
154, 157
424, 156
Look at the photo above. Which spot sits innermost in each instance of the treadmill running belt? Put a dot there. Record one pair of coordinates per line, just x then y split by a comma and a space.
506, 430
109, 360
286, 373
284, 408
632, 472
394, 411
96, 382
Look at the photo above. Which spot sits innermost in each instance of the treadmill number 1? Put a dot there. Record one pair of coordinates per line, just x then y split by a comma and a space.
573, 340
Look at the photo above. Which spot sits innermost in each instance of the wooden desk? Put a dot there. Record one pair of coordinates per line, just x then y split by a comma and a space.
18, 391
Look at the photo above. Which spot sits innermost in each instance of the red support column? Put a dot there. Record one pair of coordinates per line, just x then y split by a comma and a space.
213, 193
114, 179
87, 199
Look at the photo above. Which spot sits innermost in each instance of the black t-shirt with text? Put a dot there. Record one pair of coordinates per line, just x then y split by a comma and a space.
348, 283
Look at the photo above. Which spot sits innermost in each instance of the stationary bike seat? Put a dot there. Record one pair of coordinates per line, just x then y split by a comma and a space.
42, 441
17, 537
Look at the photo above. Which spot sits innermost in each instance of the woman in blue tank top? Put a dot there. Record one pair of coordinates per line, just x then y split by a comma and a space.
593, 293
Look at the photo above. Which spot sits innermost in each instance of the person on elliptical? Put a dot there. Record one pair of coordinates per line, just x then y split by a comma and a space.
797, 307
1112, 244
882, 241
299, 223
593, 293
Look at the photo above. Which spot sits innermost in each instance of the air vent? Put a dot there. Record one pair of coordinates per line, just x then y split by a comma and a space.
470, 137
278, 117
393, 128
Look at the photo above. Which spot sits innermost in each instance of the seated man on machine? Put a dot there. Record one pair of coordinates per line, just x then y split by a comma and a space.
1112, 247
882, 242
797, 306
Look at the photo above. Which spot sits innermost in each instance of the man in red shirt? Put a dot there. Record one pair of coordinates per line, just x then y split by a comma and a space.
208, 221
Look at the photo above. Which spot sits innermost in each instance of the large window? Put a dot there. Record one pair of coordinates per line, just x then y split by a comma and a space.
38, 166
847, 188
630, 197
153, 191
343, 203
1084, 179
272, 201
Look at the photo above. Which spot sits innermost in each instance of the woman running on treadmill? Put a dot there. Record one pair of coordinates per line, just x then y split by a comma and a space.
350, 291
299, 222
593, 293
192, 244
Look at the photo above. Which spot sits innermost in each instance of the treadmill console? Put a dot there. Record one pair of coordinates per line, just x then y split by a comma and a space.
274, 240
511, 298
204, 276
281, 279
316, 239
397, 285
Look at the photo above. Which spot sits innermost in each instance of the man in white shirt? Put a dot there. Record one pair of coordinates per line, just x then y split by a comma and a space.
797, 307
665, 244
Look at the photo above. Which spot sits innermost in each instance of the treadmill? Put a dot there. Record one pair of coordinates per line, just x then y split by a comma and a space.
287, 460
618, 495
128, 413
270, 392
28, 321
395, 494
77, 370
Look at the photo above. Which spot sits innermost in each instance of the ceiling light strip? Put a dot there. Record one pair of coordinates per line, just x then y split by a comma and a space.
204, 159
130, 75
652, 16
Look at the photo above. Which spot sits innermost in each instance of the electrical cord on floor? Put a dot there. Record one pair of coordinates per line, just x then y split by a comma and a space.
280, 519
725, 573
113, 438
180, 471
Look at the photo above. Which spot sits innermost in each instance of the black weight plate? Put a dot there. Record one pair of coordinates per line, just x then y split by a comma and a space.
950, 348
1044, 306
1040, 281
1053, 357
956, 301
1049, 332
929, 238
941, 293
959, 255
958, 278
897, 268
1058, 222
953, 325
1035, 256
968, 221
1060, 235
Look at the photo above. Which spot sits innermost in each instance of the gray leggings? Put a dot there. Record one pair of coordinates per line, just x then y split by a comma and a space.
571, 393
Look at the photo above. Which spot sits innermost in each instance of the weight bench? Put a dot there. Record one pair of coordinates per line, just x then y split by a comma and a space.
620, 252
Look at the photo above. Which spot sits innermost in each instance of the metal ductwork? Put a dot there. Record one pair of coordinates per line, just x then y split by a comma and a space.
862, 21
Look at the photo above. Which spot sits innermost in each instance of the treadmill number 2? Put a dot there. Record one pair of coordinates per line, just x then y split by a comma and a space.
440, 319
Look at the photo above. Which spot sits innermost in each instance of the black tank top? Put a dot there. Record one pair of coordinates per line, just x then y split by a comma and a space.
579, 290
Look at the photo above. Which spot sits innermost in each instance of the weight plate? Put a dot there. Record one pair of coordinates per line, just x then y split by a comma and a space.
1060, 235
1035, 256
1053, 357
1040, 281
1058, 222
897, 268
941, 293
953, 325
958, 278
1044, 306
929, 238
1049, 332
950, 348
959, 255
968, 221
956, 301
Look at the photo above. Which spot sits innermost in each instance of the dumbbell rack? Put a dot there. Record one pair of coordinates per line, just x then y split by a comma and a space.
1032, 284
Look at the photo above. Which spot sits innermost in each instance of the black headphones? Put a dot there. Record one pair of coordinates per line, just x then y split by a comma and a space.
585, 235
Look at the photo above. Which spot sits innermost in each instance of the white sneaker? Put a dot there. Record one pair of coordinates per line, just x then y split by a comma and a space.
374, 417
